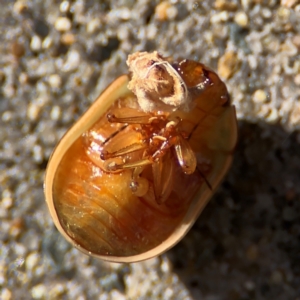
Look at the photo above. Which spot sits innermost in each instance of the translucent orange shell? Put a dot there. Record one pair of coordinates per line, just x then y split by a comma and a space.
98, 213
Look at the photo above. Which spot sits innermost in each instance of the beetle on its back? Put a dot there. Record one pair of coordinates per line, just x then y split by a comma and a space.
132, 175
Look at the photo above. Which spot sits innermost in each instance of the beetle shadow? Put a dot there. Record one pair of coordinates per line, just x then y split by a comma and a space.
246, 242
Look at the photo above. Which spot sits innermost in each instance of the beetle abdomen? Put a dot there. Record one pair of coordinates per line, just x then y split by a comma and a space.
101, 214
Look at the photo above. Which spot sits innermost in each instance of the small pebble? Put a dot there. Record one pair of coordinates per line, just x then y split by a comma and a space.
64, 7
246, 4
172, 12
165, 266
32, 240
219, 17
36, 43
116, 295
62, 24
6, 193
68, 39
37, 152
9, 90
57, 291
225, 5
5, 294
17, 49
289, 3
72, 62
260, 96
7, 116
33, 111
32, 260
196, 5
266, 13
252, 60
23, 78
77, 81
297, 79
16, 227
168, 293
93, 25
283, 13
296, 41
55, 81
55, 113
273, 116
241, 19
124, 34
47, 42
124, 13
39, 291
19, 7
228, 64
6, 200
165, 11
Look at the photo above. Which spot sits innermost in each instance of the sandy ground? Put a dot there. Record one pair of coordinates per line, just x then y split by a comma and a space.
56, 57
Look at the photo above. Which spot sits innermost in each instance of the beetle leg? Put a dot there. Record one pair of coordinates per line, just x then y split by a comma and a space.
131, 116
185, 155
123, 151
139, 185
146, 119
163, 175
135, 164
114, 134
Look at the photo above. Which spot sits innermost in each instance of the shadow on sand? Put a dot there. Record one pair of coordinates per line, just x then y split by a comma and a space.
246, 243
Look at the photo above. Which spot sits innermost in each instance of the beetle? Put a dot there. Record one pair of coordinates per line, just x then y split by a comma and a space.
131, 176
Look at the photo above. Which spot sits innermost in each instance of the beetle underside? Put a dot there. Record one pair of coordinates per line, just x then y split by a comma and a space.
163, 136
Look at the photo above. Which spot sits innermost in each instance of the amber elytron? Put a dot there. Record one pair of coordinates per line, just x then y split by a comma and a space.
129, 179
